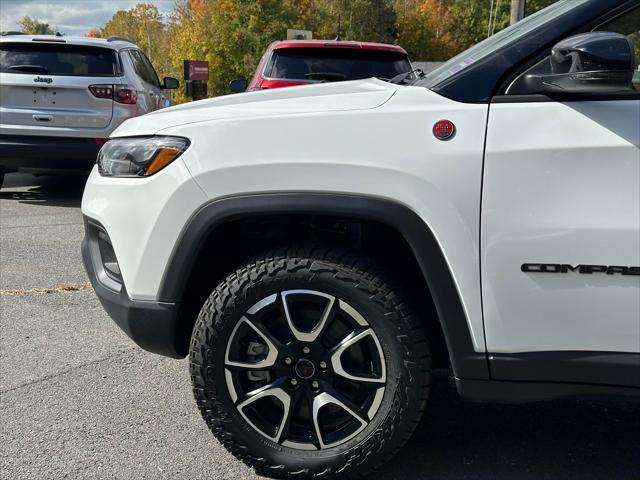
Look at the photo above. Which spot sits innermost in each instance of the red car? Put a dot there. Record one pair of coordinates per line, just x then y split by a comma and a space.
298, 62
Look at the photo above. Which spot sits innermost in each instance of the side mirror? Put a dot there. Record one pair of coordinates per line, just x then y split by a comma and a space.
170, 83
594, 62
238, 85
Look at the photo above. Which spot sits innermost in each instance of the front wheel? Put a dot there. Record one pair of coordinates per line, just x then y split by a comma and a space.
309, 363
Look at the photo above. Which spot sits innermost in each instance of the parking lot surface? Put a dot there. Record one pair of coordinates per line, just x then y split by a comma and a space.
79, 400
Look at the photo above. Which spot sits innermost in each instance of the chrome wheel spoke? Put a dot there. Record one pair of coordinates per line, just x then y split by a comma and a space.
270, 343
325, 399
297, 396
354, 409
348, 342
315, 433
289, 313
273, 390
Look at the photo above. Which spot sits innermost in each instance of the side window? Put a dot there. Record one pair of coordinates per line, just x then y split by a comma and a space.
143, 67
151, 72
627, 24
137, 64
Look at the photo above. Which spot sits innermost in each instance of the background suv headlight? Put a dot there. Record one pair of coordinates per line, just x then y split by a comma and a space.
139, 156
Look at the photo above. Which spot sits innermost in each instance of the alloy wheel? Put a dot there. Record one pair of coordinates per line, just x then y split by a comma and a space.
305, 369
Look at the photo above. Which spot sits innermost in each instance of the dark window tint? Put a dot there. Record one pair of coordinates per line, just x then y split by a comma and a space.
58, 59
333, 64
143, 67
629, 24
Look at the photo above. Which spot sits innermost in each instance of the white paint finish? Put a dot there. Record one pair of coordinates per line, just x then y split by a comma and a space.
387, 152
338, 96
561, 185
143, 217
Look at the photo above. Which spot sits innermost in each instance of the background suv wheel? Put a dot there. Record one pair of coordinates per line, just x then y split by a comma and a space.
309, 361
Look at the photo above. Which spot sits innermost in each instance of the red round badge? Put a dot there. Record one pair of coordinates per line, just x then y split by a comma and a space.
444, 129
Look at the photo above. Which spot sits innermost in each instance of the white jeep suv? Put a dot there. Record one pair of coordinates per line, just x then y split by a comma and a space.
61, 97
317, 251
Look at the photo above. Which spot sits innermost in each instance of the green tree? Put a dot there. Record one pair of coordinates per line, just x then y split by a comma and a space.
34, 27
232, 35
532, 6
365, 20
143, 24
439, 29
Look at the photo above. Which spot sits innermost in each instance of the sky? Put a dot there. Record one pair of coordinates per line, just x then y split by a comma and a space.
71, 17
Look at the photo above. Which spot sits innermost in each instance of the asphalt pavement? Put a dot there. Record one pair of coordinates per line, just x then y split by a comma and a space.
79, 400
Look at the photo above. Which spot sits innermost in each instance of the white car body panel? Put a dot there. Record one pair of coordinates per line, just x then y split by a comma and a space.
439, 180
247, 148
340, 96
143, 231
561, 185
500, 193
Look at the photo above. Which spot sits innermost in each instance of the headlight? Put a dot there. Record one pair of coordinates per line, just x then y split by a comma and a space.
139, 156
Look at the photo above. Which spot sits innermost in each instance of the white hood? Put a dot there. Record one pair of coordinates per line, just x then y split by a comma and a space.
325, 97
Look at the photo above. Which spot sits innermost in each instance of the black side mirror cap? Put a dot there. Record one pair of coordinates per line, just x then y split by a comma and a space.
593, 62
170, 83
238, 85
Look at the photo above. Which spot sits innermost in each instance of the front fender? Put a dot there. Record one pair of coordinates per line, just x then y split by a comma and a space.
466, 362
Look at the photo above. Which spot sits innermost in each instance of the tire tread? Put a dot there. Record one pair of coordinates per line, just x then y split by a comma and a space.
357, 271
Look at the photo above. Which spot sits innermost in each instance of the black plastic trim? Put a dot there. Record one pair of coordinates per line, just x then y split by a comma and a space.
47, 154
514, 392
479, 81
152, 325
594, 25
566, 98
603, 368
465, 361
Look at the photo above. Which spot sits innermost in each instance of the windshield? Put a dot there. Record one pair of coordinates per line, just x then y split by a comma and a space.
496, 42
334, 64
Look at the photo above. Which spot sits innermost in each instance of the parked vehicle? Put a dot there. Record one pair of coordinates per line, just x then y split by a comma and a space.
61, 97
299, 62
318, 251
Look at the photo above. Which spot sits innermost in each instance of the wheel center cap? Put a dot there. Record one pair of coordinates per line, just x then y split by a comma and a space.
305, 368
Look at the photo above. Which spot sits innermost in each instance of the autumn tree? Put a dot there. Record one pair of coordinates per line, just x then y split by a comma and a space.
439, 29
34, 27
230, 34
424, 29
142, 24
368, 20
233, 34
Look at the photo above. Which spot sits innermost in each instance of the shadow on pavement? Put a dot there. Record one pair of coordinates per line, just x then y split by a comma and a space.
57, 191
568, 439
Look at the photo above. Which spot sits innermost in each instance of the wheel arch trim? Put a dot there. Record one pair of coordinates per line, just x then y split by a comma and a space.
465, 361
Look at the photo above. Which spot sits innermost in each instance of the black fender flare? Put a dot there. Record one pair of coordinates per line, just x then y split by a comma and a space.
465, 361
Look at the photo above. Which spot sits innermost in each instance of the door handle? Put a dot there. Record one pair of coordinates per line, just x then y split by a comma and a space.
43, 118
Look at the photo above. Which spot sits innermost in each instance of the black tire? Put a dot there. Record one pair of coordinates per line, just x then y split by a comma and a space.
357, 282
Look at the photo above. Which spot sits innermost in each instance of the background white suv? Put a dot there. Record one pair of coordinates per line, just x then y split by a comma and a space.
317, 251
61, 97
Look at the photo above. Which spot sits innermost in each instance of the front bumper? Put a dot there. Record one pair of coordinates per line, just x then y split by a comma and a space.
31, 153
152, 325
